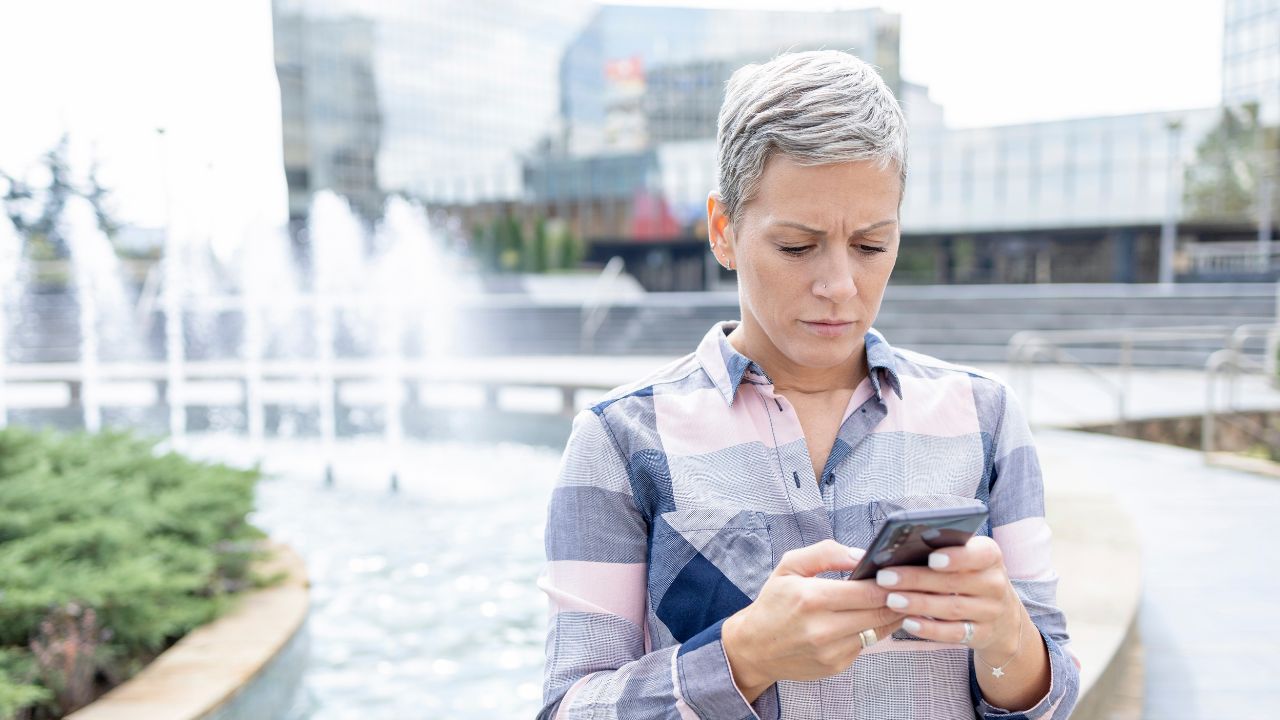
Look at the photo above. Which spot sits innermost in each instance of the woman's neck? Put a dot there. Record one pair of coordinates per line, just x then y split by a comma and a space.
789, 376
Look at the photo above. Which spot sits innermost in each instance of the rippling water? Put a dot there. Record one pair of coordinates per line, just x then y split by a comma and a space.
424, 603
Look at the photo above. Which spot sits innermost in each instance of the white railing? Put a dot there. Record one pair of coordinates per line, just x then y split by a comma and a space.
1232, 258
596, 309
1232, 361
1032, 346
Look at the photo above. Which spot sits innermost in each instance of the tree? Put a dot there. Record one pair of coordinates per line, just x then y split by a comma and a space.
1232, 161
41, 230
55, 197
100, 197
569, 249
538, 259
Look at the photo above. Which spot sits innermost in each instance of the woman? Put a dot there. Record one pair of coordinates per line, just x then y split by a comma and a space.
706, 517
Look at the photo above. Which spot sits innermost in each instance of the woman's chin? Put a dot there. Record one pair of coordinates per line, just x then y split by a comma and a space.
818, 354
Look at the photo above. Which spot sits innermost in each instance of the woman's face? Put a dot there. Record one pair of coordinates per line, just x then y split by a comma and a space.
813, 250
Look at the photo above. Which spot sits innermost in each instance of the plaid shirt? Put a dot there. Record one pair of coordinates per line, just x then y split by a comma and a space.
678, 494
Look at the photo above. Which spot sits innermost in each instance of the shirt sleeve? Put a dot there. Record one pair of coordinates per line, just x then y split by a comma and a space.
1018, 526
599, 663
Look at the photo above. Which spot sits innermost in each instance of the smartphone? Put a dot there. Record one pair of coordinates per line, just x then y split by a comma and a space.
908, 536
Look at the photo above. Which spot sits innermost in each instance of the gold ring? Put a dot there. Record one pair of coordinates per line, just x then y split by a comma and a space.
868, 638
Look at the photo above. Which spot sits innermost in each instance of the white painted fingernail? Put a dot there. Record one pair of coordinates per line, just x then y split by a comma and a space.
896, 601
857, 553
911, 626
887, 578
937, 561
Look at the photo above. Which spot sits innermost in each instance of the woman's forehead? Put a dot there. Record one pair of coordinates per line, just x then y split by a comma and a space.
814, 197
783, 172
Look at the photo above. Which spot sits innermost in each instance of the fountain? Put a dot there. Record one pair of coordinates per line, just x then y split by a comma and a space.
10, 279
411, 271
337, 249
393, 580
106, 315
268, 284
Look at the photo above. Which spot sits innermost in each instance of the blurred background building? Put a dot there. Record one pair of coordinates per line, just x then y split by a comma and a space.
600, 119
1251, 55
429, 99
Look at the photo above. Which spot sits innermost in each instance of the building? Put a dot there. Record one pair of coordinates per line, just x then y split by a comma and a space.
640, 93
604, 118
429, 98
1074, 200
637, 76
332, 128
1251, 56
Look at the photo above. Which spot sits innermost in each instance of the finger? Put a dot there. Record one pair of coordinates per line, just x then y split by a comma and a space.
819, 557
981, 583
850, 643
943, 607
883, 631
980, 553
947, 631
841, 595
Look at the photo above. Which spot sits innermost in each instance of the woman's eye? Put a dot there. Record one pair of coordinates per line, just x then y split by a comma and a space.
802, 249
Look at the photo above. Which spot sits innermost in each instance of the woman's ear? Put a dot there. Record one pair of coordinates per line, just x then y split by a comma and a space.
720, 231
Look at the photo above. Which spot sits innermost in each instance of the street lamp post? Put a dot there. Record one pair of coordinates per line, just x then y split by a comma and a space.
1168, 230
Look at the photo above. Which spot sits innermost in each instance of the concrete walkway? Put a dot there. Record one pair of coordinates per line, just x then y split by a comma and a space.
1208, 617
1208, 622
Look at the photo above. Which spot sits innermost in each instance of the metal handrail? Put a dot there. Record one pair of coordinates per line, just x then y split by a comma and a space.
1232, 359
1242, 335
601, 300
1027, 346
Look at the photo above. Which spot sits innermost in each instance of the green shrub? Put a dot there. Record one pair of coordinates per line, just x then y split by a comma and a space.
109, 552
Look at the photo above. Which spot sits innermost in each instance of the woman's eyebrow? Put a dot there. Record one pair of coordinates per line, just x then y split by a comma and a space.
822, 233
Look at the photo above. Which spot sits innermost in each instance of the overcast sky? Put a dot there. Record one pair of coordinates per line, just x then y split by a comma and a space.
998, 62
112, 72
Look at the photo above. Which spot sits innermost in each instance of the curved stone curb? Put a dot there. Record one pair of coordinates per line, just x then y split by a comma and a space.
208, 669
1244, 463
1097, 557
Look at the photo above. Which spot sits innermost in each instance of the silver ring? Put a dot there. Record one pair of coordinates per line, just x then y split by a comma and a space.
866, 643
968, 633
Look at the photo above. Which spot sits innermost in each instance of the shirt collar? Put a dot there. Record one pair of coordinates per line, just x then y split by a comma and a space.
728, 367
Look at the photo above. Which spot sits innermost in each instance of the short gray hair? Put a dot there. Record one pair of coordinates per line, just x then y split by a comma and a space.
816, 107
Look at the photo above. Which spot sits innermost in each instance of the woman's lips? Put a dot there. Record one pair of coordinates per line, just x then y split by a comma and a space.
828, 328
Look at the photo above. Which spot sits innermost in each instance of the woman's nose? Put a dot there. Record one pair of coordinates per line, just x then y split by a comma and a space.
836, 281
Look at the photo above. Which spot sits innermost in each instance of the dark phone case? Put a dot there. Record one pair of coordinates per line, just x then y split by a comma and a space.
908, 536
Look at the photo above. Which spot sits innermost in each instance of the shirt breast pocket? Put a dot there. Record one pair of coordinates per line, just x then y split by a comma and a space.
705, 564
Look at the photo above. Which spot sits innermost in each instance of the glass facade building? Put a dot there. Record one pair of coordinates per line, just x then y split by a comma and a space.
432, 98
640, 92
638, 76
1251, 56
1084, 172
603, 118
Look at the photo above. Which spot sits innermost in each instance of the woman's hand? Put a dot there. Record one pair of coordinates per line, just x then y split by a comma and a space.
961, 583
803, 627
